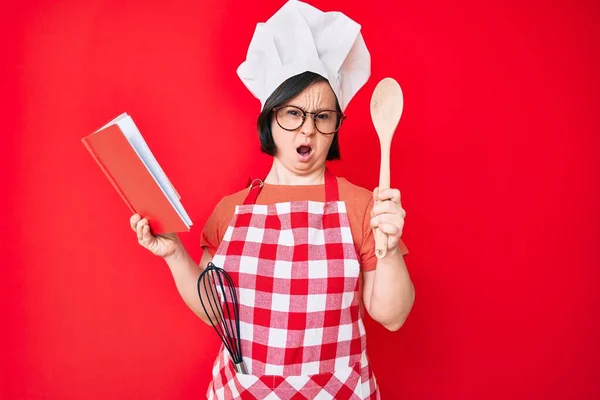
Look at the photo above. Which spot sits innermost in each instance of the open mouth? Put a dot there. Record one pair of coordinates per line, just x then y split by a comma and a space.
304, 151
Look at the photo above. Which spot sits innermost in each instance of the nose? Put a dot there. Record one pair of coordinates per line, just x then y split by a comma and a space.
308, 127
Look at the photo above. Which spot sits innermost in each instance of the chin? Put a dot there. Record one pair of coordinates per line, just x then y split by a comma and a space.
303, 168
308, 169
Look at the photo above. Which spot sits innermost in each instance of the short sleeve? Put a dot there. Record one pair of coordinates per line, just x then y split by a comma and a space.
367, 257
211, 236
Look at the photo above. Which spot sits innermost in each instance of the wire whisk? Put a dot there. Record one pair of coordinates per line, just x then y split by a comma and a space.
223, 310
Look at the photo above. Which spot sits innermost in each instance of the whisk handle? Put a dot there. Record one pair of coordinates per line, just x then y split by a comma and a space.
240, 368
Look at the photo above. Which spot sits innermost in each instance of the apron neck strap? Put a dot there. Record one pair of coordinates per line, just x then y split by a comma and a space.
331, 189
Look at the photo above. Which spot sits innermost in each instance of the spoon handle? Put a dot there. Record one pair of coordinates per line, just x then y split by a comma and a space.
384, 183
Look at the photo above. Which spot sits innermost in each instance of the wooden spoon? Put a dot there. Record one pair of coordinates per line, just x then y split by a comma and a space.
387, 103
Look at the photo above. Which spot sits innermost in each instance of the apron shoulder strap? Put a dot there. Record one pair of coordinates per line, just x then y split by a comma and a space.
331, 187
253, 190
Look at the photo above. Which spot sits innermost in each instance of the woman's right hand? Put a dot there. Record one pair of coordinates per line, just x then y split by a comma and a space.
163, 245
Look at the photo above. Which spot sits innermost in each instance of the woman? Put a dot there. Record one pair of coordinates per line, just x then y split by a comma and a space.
300, 246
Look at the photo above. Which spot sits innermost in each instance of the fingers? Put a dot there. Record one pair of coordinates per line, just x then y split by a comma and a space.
142, 230
135, 218
387, 213
376, 194
392, 233
387, 194
389, 229
382, 219
139, 228
387, 207
147, 237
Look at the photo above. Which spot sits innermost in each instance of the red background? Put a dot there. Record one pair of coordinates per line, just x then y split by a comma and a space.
496, 156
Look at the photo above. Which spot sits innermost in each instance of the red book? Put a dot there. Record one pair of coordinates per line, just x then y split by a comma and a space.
126, 160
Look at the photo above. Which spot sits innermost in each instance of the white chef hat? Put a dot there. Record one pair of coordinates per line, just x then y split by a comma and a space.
300, 38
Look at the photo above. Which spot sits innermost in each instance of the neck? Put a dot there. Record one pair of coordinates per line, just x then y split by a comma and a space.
280, 175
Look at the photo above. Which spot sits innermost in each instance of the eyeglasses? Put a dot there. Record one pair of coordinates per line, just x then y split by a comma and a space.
291, 118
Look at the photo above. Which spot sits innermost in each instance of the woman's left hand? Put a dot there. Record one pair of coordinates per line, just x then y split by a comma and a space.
388, 215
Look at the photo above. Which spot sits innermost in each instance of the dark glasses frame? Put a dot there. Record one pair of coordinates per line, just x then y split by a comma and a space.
341, 118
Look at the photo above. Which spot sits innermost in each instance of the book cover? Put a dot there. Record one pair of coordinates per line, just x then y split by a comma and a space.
123, 156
